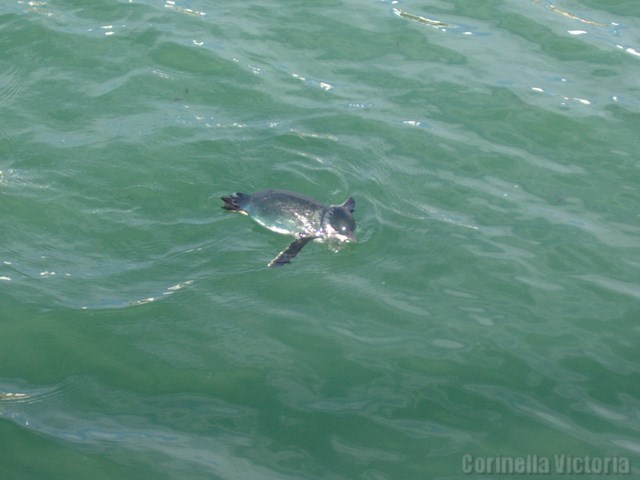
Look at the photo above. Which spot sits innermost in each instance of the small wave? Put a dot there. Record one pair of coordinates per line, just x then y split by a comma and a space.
14, 82
17, 392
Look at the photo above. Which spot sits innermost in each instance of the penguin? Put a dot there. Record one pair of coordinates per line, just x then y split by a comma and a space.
291, 213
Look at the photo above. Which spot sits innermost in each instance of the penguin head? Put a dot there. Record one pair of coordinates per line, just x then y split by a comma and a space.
340, 223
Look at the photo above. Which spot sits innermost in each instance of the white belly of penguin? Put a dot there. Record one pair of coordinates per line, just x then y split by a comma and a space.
306, 231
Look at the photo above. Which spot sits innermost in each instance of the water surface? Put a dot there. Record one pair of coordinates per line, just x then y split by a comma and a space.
489, 309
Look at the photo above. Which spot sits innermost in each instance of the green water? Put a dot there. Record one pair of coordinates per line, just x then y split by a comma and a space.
490, 308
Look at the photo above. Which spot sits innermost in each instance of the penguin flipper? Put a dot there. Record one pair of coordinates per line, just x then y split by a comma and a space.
290, 252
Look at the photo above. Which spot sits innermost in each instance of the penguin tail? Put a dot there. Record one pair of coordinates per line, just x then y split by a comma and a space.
235, 202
